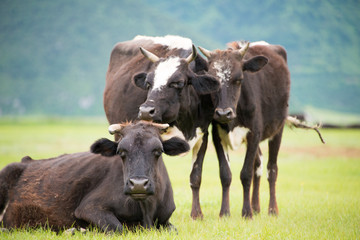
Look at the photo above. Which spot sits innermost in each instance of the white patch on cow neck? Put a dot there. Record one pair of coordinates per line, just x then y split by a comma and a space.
164, 71
224, 143
259, 170
223, 70
194, 143
171, 41
234, 138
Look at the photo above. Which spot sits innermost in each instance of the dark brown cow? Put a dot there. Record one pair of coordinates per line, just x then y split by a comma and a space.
171, 88
251, 106
127, 185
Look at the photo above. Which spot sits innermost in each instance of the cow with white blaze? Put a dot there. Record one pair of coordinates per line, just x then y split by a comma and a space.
251, 106
168, 85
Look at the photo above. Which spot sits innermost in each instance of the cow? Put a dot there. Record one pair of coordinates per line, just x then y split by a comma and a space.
251, 106
162, 79
117, 184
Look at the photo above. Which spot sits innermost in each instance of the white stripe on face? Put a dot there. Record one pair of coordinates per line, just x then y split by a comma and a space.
223, 71
164, 71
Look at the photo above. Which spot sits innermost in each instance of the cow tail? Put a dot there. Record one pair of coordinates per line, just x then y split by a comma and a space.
9, 177
294, 122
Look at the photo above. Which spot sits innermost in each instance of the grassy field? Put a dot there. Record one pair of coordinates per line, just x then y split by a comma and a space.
318, 187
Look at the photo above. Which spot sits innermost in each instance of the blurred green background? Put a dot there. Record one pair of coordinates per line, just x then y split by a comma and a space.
54, 54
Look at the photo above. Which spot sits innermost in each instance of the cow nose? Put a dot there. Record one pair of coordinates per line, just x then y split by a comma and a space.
224, 115
146, 112
138, 185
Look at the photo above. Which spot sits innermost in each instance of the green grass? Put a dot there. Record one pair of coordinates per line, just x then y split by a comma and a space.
318, 188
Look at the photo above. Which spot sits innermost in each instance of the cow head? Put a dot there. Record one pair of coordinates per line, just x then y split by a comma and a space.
140, 148
228, 66
169, 86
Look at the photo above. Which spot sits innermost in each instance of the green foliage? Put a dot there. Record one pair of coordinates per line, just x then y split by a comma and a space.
317, 188
54, 54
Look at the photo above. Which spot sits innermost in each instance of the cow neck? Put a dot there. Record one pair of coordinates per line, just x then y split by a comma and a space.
198, 114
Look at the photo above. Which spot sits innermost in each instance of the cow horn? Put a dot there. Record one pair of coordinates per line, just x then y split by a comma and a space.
161, 127
244, 49
192, 56
206, 52
152, 57
115, 128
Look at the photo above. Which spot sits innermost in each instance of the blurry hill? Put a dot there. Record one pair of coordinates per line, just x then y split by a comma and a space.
54, 54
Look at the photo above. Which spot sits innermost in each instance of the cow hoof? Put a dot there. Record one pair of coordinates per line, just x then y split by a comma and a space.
4, 230
72, 231
273, 212
197, 216
224, 214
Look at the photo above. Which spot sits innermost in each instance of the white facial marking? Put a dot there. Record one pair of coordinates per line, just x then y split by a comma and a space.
263, 43
164, 71
171, 41
259, 170
223, 70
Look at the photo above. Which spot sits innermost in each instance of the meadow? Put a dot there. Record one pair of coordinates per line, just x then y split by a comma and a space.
318, 188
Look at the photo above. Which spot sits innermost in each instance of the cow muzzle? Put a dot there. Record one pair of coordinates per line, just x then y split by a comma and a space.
138, 188
148, 113
224, 115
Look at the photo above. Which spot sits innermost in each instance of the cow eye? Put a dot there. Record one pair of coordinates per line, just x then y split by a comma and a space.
122, 153
177, 84
238, 81
157, 152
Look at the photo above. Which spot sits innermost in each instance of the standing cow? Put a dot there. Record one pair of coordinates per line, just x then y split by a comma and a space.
251, 106
127, 185
168, 85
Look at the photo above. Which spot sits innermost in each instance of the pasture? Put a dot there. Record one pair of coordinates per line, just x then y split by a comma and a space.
318, 188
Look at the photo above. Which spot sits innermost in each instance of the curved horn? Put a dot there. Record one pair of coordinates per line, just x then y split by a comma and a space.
161, 127
192, 56
206, 52
152, 57
244, 49
115, 128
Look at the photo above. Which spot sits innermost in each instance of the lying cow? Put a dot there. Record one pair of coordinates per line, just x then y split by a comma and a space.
126, 185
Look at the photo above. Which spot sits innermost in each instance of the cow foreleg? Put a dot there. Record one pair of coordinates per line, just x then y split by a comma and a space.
246, 174
272, 169
104, 220
225, 171
255, 200
195, 176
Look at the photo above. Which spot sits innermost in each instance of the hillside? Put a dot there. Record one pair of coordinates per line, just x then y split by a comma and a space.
54, 54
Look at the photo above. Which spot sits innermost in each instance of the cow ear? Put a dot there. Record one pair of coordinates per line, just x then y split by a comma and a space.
175, 146
139, 80
205, 84
104, 147
255, 64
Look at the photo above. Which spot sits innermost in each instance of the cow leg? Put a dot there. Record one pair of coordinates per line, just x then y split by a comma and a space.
246, 174
195, 176
272, 169
105, 220
225, 171
255, 201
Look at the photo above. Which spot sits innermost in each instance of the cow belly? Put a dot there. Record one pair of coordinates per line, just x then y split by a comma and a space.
31, 214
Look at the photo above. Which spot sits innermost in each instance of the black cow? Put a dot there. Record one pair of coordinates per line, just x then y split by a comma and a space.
171, 88
251, 106
127, 185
